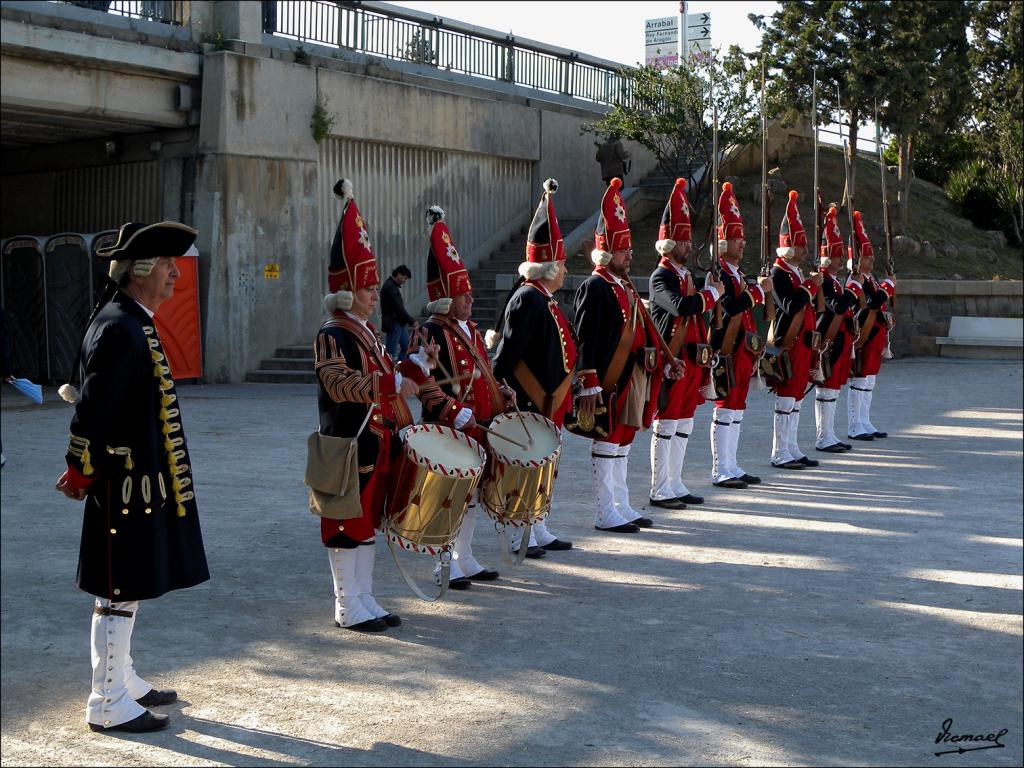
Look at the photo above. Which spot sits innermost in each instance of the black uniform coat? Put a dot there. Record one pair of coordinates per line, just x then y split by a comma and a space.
141, 535
876, 299
789, 299
838, 301
535, 331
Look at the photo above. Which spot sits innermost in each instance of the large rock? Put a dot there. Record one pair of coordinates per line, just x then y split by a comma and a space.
905, 246
996, 238
928, 252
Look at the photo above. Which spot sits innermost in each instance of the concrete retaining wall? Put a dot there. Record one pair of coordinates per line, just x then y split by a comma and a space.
924, 307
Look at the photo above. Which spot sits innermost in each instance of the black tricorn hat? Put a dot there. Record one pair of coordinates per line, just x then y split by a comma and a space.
149, 241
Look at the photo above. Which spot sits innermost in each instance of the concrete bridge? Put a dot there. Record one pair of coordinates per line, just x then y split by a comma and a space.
238, 122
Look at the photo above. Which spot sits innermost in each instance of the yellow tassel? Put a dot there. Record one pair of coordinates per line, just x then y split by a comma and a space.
86, 463
156, 371
181, 510
164, 414
166, 400
128, 463
168, 445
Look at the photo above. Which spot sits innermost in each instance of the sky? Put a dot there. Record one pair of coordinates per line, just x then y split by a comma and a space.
611, 30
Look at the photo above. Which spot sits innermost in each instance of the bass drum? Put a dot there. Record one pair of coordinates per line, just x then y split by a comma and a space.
438, 470
518, 482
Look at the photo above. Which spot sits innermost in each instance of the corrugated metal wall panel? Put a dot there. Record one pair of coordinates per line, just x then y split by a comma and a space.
395, 184
105, 197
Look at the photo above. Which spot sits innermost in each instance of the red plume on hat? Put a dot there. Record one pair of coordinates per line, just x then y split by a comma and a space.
446, 274
791, 231
832, 245
861, 236
352, 264
544, 240
730, 225
675, 219
612, 232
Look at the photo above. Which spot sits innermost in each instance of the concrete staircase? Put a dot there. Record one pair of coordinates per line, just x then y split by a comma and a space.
289, 365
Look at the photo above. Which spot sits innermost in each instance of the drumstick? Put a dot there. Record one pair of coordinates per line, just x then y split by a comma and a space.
503, 437
522, 419
448, 378
439, 382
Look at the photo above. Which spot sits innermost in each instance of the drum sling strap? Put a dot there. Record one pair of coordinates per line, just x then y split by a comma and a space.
410, 580
536, 392
480, 362
506, 548
622, 350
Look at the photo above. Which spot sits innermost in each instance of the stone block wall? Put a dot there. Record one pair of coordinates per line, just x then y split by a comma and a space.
924, 307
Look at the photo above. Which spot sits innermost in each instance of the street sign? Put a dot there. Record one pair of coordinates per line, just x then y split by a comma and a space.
698, 26
661, 37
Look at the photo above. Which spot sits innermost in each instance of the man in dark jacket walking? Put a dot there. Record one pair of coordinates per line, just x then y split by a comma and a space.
395, 321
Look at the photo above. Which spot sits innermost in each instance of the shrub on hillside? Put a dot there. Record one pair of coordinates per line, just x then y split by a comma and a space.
986, 196
935, 160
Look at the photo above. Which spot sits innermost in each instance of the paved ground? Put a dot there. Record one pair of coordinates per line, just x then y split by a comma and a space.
834, 616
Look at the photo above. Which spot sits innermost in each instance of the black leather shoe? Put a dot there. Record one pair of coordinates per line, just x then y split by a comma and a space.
668, 503
488, 575
731, 482
392, 619
459, 583
144, 723
807, 462
865, 436
535, 553
691, 499
751, 479
845, 446
370, 625
157, 698
834, 448
788, 465
642, 522
879, 435
624, 528
557, 545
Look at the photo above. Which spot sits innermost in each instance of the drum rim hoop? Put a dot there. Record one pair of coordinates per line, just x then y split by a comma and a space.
528, 463
422, 461
411, 546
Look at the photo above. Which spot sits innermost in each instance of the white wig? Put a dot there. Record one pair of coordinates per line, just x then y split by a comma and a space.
600, 258
341, 300
439, 306
543, 270
665, 247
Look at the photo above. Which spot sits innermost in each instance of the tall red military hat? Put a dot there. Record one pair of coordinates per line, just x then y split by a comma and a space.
791, 231
861, 237
352, 264
446, 274
612, 232
675, 219
730, 222
832, 238
544, 240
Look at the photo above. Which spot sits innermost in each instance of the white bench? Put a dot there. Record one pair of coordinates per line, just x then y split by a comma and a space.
983, 337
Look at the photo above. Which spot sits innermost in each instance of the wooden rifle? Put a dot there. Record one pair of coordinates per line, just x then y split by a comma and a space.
890, 268
766, 209
819, 213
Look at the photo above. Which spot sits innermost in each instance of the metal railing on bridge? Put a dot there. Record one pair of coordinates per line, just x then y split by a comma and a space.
165, 11
451, 46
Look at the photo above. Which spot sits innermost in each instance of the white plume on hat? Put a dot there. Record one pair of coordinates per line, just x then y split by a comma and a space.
69, 393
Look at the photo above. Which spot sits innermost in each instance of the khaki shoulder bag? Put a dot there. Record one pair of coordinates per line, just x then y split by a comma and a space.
332, 474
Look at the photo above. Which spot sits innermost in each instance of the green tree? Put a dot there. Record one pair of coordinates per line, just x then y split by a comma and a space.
419, 48
927, 79
670, 113
841, 40
996, 57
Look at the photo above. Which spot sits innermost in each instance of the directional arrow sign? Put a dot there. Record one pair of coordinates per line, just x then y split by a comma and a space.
698, 33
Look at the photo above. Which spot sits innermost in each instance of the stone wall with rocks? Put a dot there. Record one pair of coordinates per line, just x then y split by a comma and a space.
924, 307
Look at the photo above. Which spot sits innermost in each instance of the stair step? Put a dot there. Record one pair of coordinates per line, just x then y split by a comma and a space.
296, 350
287, 364
281, 377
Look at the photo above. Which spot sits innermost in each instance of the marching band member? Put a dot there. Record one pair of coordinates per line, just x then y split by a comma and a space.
475, 397
615, 360
794, 326
677, 308
356, 380
737, 302
839, 303
874, 327
128, 459
537, 351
